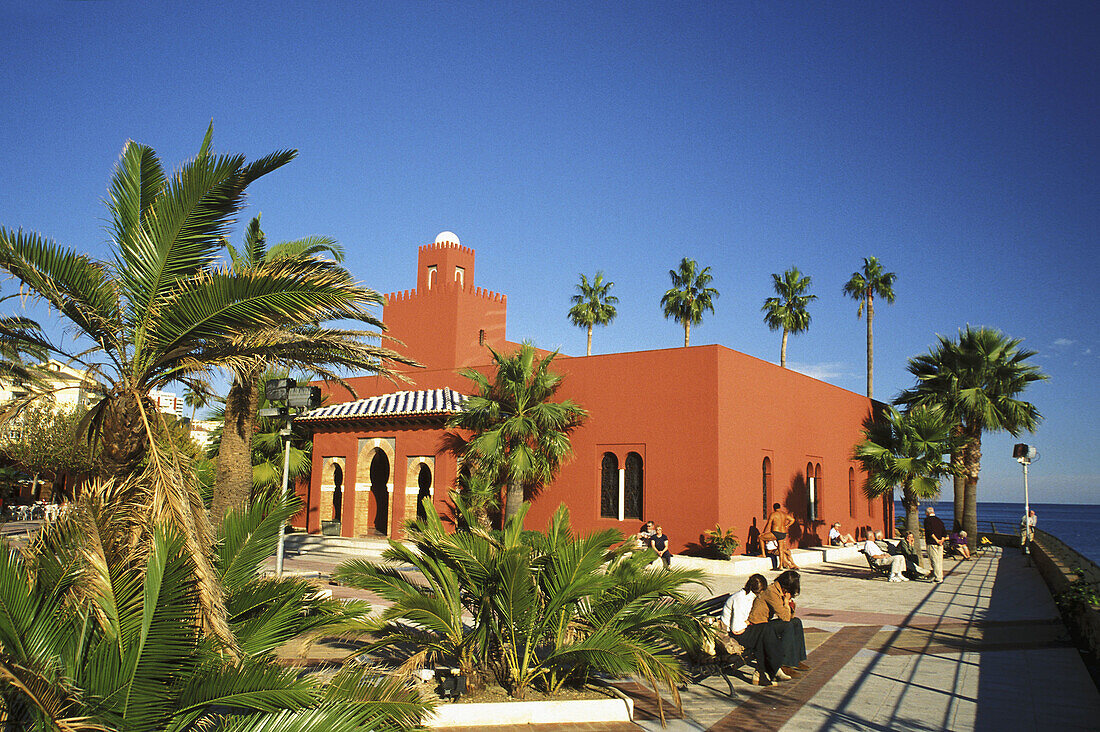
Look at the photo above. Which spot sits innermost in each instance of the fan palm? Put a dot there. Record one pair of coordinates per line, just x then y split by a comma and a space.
593, 305
787, 311
690, 295
863, 286
906, 449
520, 437
977, 380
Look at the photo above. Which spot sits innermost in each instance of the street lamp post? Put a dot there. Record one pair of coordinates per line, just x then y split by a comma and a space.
1025, 455
298, 399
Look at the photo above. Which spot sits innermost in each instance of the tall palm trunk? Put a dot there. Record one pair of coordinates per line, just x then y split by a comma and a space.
973, 464
912, 512
958, 462
687, 333
783, 350
870, 347
589, 351
513, 499
233, 478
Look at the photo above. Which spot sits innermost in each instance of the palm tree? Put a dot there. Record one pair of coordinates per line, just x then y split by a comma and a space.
977, 381
520, 437
547, 608
863, 286
906, 449
197, 396
160, 311
690, 295
299, 344
97, 633
788, 310
593, 305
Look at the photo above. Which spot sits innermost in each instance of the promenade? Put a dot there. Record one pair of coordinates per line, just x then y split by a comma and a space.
984, 650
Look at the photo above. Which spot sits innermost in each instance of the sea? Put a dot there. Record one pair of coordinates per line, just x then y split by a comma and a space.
1077, 524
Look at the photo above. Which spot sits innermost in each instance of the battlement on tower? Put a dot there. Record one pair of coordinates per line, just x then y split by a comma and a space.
446, 289
439, 245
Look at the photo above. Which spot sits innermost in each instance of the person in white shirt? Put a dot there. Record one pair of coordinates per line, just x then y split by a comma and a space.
735, 617
896, 563
838, 539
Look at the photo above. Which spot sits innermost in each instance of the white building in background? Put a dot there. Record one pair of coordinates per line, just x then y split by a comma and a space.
63, 385
167, 402
202, 431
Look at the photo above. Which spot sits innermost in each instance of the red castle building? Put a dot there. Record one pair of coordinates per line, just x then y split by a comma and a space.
688, 437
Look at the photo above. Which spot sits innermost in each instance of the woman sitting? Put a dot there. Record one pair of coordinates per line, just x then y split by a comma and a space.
784, 642
735, 616
957, 545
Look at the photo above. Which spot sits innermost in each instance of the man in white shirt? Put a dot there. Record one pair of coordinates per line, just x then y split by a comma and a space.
882, 559
838, 539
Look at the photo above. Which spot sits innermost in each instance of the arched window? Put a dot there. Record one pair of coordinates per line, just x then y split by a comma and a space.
766, 487
633, 487
609, 486
811, 493
819, 490
852, 492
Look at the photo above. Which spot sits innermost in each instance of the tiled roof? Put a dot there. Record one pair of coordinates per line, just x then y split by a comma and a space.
398, 404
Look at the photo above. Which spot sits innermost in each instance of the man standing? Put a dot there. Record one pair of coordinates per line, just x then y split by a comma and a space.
1027, 530
935, 534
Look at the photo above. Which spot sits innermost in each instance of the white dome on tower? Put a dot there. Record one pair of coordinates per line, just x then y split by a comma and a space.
445, 236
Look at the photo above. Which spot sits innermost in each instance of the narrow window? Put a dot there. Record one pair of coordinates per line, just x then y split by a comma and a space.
460, 276
632, 498
609, 486
766, 469
819, 489
811, 493
431, 276
852, 492
481, 337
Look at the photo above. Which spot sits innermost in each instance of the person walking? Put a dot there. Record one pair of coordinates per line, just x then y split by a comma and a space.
935, 535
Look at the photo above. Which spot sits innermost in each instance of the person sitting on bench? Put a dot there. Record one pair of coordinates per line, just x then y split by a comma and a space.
881, 559
907, 548
784, 643
735, 618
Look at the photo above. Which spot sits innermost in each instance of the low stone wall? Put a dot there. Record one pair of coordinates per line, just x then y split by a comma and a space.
1058, 564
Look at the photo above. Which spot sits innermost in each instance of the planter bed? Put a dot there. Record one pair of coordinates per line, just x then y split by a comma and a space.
532, 712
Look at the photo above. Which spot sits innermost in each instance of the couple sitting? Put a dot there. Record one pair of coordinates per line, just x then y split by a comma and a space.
902, 559
778, 642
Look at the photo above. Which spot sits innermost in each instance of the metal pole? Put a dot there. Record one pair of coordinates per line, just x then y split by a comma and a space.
1027, 515
286, 483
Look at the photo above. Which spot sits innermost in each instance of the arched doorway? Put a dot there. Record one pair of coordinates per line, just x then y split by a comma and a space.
337, 492
424, 489
378, 510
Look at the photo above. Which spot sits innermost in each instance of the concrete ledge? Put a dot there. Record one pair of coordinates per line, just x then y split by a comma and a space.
541, 712
745, 565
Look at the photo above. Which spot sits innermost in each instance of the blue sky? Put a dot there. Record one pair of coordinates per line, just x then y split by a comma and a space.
959, 145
